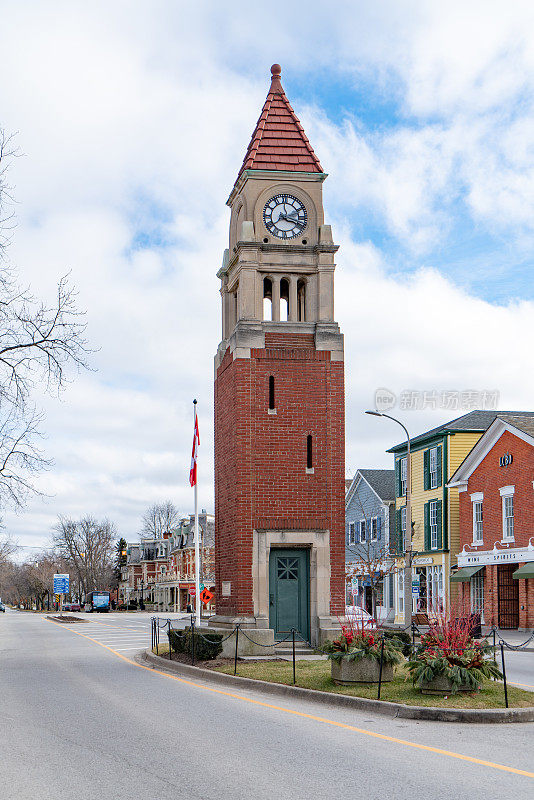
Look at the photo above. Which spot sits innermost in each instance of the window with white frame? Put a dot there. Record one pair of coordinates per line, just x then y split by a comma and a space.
433, 513
433, 467
362, 530
400, 593
507, 494
403, 475
508, 517
478, 525
374, 529
352, 532
477, 593
434, 582
403, 527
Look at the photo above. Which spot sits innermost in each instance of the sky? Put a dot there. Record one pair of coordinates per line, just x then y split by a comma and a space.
133, 118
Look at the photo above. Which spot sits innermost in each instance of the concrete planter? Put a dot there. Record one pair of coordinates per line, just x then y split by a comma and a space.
366, 670
442, 685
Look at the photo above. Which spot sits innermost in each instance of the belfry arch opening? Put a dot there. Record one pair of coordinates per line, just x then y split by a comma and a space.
301, 300
284, 300
267, 299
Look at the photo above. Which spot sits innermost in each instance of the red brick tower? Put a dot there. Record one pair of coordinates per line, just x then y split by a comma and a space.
279, 392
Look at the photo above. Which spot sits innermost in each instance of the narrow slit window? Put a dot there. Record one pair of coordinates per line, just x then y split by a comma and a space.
271, 392
309, 452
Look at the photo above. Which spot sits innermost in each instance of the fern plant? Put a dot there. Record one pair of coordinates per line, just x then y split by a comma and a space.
466, 667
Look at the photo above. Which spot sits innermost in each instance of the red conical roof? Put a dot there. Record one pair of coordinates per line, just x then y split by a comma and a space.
279, 141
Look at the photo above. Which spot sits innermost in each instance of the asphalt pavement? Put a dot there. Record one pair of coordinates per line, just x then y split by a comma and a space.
82, 720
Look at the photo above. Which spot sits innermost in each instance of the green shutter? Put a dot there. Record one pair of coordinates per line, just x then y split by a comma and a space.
426, 469
398, 532
439, 460
398, 478
427, 527
440, 526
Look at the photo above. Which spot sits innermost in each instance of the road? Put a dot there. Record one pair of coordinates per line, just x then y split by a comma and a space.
82, 720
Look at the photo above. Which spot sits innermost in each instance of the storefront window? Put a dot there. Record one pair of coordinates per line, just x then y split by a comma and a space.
421, 604
477, 593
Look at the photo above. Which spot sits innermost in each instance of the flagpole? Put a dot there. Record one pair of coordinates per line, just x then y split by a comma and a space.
197, 546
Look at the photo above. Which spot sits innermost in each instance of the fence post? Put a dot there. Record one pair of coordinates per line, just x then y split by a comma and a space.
504, 677
380, 670
294, 675
169, 637
236, 643
152, 635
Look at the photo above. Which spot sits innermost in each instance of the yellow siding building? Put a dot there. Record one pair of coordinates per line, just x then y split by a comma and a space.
435, 456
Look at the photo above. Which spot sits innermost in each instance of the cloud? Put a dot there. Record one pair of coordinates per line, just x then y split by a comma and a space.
134, 119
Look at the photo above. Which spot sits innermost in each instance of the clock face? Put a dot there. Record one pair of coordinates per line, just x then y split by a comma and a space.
285, 216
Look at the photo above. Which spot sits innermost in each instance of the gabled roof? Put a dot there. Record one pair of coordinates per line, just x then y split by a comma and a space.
381, 481
518, 423
279, 141
475, 421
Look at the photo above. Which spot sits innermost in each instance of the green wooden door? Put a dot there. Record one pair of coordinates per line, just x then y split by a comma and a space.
289, 595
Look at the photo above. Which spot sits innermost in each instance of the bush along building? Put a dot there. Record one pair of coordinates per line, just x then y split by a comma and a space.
369, 530
160, 572
435, 455
495, 482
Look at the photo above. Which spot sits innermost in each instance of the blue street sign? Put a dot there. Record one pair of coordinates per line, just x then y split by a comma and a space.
61, 584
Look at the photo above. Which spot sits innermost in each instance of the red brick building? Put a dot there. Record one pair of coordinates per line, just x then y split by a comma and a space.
496, 496
279, 392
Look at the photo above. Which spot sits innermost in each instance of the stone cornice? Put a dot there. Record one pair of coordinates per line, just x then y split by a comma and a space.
277, 175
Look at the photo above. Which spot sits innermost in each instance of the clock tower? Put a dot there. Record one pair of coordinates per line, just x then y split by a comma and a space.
279, 393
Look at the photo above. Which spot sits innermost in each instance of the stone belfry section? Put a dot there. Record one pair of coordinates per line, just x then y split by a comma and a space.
279, 393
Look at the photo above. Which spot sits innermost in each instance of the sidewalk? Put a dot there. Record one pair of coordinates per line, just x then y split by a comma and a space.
514, 638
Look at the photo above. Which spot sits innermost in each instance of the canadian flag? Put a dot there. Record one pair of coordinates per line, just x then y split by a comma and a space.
194, 454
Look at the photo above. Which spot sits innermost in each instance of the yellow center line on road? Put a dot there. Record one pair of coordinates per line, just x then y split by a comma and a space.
302, 714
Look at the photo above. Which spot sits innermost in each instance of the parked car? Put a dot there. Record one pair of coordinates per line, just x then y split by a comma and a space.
75, 607
360, 616
66, 607
2, 608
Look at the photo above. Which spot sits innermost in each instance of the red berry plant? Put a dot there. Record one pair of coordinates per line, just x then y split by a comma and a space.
449, 650
358, 641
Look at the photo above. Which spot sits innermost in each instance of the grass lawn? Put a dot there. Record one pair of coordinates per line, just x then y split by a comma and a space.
316, 675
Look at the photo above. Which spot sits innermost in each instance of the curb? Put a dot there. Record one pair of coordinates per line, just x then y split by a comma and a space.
382, 707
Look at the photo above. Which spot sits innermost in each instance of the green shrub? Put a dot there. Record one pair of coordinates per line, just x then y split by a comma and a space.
401, 639
207, 645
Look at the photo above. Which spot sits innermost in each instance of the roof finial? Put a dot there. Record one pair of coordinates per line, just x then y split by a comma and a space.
276, 86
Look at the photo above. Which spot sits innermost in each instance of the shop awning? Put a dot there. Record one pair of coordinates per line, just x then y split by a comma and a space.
526, 571
464, 574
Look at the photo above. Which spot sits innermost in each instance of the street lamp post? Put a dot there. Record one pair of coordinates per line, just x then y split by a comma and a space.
408, 546
142, 587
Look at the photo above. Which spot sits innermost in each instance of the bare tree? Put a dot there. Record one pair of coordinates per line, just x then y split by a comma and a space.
7, 548
160, 518
38, 342
88, 547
